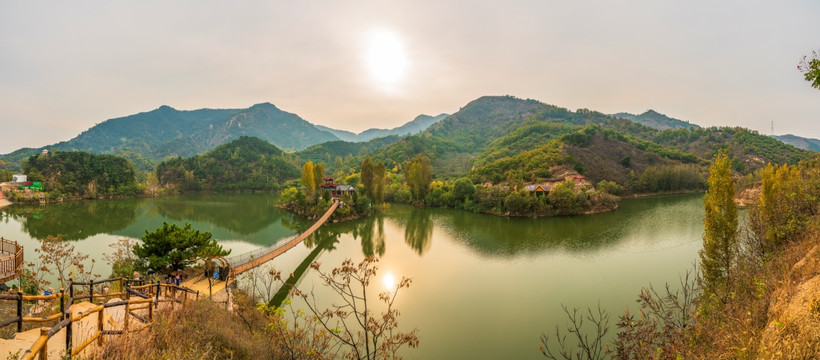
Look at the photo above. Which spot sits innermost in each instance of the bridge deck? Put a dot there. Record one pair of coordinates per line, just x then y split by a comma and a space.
240, 268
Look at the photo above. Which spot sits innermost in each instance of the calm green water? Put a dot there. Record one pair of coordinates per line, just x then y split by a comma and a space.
484, 287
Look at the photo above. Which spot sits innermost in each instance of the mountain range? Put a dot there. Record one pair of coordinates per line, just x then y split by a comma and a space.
486, 130
167, 132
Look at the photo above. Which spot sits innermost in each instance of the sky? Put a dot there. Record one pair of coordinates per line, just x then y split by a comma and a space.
354, 65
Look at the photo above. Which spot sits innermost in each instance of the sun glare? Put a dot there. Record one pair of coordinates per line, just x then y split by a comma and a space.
385, 57
389, 281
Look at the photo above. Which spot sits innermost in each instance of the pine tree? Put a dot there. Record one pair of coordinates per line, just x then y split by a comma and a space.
720, 223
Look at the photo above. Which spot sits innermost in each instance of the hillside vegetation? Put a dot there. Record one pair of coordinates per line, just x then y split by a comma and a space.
248, 163
81, 174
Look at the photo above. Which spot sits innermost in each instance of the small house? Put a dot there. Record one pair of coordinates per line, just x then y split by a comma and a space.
538, 190
579, 180
337, 190
345, 190
19, 178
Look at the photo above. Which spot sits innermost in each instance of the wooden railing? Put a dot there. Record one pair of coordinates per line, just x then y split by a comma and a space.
147, 297
10, 266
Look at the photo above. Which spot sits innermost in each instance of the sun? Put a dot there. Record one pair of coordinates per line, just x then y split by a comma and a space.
389, 281
385, 57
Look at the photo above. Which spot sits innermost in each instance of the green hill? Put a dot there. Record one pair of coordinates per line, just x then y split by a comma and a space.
78, 173
466, 138
328, 152
598, 153
749, 149
248, 163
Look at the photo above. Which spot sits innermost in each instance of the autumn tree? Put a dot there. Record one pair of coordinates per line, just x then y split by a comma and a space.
308, 181
171, 247
720, 223
368, 171
785, 206
418, 173
379, 175
58, 255
318, 176
351, 323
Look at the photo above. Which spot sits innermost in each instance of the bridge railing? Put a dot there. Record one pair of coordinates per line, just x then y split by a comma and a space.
11, 266
237, 260
253, 254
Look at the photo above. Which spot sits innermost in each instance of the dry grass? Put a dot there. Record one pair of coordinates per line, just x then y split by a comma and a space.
200, 330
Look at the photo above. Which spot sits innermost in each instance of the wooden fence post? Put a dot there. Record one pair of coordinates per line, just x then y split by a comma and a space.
62, 302
44, 349
71, 291
151, 311
91, 291
68, 332
100, 326
19, 311
127, 315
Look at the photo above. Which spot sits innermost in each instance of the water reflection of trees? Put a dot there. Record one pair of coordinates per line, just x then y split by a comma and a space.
242, 214
76, 220
500, 236
418, 231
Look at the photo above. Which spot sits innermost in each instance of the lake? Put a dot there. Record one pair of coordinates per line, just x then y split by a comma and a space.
484, 287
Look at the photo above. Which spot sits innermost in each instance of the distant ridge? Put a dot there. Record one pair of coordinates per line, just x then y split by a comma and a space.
417, 125
656, 120
799, 142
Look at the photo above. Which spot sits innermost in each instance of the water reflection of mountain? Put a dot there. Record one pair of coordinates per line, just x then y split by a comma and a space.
247, 217
76, 220
243, 214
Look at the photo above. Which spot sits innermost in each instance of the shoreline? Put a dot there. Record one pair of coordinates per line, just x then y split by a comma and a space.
4, 202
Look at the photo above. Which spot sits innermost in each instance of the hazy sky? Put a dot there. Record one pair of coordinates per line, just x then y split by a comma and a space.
65, 66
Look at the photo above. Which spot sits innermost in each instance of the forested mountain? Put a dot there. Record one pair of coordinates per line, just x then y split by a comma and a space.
490, 129
248, 163
328, 153
656, 120
799, 142
465, 138
598, 153
417, 125
749, 149
77, 173
167, 132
